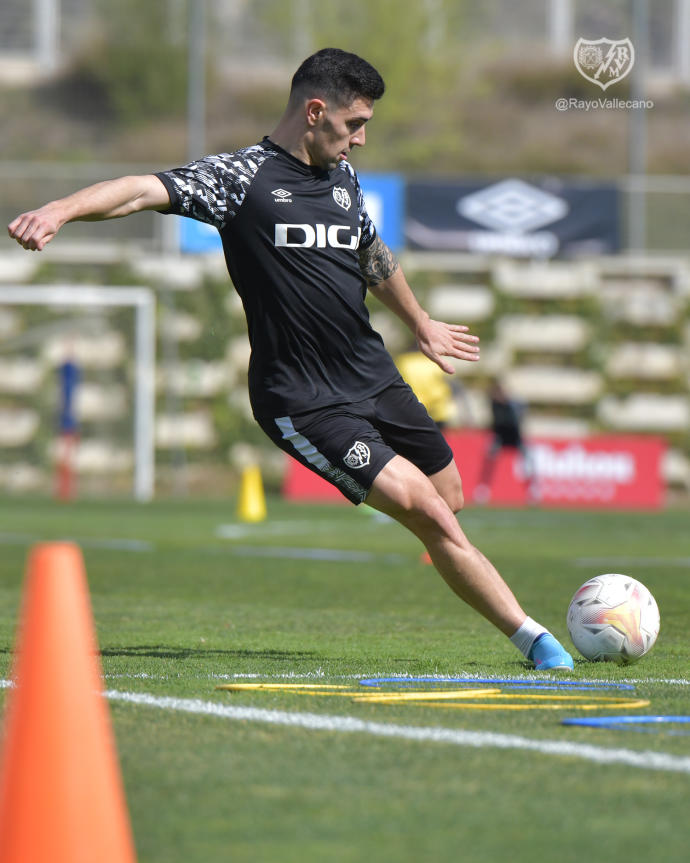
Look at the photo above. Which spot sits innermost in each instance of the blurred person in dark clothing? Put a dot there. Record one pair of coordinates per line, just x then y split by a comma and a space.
506, 426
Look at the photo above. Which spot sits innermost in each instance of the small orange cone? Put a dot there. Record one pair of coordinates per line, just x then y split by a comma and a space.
61, 794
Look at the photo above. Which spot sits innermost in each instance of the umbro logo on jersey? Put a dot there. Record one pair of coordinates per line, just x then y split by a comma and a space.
282, 196
321, 236
342, 197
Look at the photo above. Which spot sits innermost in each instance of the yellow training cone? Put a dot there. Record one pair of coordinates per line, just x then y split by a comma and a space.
252, 502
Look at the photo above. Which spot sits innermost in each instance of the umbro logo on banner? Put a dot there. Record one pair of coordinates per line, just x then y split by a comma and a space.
512, 206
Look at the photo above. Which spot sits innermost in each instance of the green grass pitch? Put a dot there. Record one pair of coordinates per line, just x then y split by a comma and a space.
186, 598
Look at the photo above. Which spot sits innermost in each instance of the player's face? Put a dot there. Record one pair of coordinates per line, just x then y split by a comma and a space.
336, 130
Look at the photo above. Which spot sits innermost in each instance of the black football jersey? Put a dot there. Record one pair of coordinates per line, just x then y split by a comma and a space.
290, 235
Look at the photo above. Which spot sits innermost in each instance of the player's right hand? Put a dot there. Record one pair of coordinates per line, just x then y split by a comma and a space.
34, 229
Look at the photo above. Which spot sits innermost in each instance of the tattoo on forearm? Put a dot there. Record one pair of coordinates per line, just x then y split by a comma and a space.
377, 262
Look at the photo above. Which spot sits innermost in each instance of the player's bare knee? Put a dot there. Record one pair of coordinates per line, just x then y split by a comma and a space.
429, 515
456, 501
448, 484
454, 497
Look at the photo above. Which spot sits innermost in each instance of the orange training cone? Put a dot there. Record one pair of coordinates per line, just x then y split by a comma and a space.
61, 794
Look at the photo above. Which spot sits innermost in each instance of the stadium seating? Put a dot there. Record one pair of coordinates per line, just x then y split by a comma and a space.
463, 302
645, 412
590, 346
553, 333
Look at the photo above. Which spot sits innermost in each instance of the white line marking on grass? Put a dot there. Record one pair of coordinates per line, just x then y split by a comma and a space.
633, 561
528, 678
16, 538
117, 544
329, 554
671, 681
320, 673
112, 544
140, 675
283, 528
455, 736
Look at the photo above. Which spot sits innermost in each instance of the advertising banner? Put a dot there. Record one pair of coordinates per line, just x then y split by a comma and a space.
603, 471
384, 198
544, 218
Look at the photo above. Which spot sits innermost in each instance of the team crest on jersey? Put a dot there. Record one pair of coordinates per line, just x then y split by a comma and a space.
342, 197
358, 455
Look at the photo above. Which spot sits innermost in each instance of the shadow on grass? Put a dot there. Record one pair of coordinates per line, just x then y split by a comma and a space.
161, 651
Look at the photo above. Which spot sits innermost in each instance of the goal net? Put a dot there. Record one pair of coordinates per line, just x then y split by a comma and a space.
106, 335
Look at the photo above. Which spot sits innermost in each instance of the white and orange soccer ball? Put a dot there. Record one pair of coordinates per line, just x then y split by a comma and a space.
613, 618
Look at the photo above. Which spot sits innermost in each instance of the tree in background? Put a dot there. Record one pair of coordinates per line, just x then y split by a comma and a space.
415, 46
136, 63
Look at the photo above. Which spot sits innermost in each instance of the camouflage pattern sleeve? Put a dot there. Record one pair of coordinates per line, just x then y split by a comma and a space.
212, 189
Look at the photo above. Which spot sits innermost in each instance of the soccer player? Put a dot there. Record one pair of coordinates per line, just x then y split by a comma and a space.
302, 252
69, 376
506, 428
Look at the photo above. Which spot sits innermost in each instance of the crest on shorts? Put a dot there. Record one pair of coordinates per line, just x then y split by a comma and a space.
342, 197
358, 455
604, 61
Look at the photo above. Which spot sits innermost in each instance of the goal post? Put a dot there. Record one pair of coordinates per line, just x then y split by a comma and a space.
143, 301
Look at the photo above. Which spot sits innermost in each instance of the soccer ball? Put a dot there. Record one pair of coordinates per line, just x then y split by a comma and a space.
613, 618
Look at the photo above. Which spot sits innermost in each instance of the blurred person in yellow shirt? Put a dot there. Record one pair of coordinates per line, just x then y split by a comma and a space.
437, 391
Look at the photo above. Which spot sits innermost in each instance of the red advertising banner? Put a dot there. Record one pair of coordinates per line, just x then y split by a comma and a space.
602, 471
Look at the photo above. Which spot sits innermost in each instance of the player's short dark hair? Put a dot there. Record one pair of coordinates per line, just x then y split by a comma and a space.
337, 76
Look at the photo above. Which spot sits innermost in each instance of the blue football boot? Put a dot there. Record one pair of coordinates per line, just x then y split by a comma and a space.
548, 654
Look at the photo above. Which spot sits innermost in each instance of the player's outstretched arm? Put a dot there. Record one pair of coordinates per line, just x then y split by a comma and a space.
386, 280
110, 199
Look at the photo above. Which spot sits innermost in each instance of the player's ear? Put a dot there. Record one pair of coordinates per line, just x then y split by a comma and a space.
315, 109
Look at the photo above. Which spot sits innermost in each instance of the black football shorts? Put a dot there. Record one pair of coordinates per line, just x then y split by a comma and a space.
348, 444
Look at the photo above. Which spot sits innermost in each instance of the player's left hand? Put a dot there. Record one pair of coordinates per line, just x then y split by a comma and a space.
437, 340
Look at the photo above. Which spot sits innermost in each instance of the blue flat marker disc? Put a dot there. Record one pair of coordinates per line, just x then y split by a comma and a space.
513, 682
612, 721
